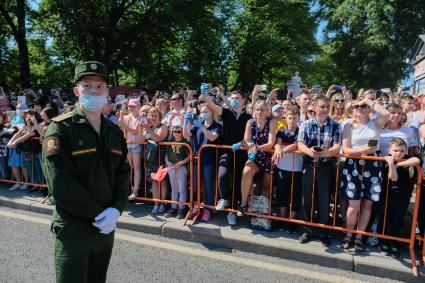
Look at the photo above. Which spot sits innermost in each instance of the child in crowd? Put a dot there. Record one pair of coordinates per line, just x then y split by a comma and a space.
278, 113
131, 124
176, 158
289, 165
401, 176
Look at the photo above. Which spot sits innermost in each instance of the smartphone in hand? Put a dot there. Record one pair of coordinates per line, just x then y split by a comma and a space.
372, 143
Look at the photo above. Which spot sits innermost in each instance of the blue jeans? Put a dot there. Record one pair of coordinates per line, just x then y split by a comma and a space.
207, 179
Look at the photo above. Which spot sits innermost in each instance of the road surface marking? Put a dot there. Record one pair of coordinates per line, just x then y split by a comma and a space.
203, 253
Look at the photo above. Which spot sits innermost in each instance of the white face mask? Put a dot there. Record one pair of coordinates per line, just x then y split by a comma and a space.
93, 103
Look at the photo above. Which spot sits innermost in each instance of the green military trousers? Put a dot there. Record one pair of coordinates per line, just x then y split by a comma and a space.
82, 258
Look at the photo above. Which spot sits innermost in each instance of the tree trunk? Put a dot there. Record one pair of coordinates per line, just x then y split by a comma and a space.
24, 63
19, 33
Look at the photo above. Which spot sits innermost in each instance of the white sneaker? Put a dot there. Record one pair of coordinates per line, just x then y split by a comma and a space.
15, 187
24, 187
155, 209
231, 219
222, 204
161, 208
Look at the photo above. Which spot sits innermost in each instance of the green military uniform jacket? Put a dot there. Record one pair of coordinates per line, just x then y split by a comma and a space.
85, 172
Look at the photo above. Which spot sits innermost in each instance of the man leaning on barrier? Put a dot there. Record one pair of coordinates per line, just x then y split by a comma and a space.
88, 175
319, 139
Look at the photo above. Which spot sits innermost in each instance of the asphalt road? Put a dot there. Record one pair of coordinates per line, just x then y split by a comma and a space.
26, 256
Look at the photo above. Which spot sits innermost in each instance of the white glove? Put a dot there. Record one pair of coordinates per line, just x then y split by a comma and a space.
106, 221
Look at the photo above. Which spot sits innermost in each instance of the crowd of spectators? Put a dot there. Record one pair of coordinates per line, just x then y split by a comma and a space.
263, 129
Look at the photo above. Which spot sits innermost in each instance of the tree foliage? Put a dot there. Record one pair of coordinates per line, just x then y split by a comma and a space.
369, 40
161, 44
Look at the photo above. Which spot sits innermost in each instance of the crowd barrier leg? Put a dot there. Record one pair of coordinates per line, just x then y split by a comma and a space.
309, 213
335, 208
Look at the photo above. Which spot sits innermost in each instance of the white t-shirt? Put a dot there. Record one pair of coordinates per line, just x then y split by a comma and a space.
405, 133
361, 134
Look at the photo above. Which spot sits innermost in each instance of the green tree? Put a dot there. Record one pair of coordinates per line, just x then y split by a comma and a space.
14, 15
271, 39
369, 40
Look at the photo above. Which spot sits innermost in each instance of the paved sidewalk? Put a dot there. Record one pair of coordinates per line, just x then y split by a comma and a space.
137, 217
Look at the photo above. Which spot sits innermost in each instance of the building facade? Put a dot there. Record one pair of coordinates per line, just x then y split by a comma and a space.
417, 59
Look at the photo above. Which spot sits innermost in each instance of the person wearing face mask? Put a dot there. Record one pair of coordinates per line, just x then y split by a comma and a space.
200, 131
230, 164
88, 176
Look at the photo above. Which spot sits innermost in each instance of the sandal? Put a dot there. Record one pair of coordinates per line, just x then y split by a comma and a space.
241, 210
346, 242
358, 245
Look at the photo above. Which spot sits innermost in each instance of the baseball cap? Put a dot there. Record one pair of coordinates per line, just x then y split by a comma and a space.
90, 68
134, 102
276, 107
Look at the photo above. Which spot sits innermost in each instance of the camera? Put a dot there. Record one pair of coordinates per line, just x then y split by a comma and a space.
378, 93
282, 94
338, 88
211, 91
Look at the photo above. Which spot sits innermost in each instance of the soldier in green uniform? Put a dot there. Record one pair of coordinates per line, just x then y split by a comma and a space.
88, 175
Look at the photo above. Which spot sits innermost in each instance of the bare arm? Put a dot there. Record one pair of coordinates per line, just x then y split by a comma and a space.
306, 150
247, 135
392, 170
412, 161
160, 136
214, 107
211, 136
223, 97
186, 133
25, 137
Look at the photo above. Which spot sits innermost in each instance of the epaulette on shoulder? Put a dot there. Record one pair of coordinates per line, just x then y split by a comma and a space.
63, 117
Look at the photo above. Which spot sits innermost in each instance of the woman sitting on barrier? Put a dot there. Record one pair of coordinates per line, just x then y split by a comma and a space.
155, 132
131, 125
361, 179
260, 136
204, 130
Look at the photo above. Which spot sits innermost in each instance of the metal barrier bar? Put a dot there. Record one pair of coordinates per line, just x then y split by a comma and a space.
24, 179
188, 203
410, 240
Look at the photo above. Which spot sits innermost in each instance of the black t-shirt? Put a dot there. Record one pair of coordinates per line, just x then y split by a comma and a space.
404, 181
233, 126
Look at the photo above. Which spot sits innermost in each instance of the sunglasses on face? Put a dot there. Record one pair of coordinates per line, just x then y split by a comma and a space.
339, 100
363, 106
311, 111
177, 132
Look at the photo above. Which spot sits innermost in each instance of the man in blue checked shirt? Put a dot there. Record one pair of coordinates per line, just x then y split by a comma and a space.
319, 139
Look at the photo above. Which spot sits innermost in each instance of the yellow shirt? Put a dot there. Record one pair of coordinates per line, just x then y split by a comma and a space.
281, 124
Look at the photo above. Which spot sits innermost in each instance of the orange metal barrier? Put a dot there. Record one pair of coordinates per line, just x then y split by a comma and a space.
410, 240
145, 197
7, 176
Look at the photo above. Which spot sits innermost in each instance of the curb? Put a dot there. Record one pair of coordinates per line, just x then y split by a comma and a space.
264, 243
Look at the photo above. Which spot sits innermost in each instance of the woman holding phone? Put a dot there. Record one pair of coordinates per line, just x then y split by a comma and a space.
361, 179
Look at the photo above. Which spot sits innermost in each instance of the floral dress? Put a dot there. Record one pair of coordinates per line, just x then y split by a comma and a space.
260, 137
